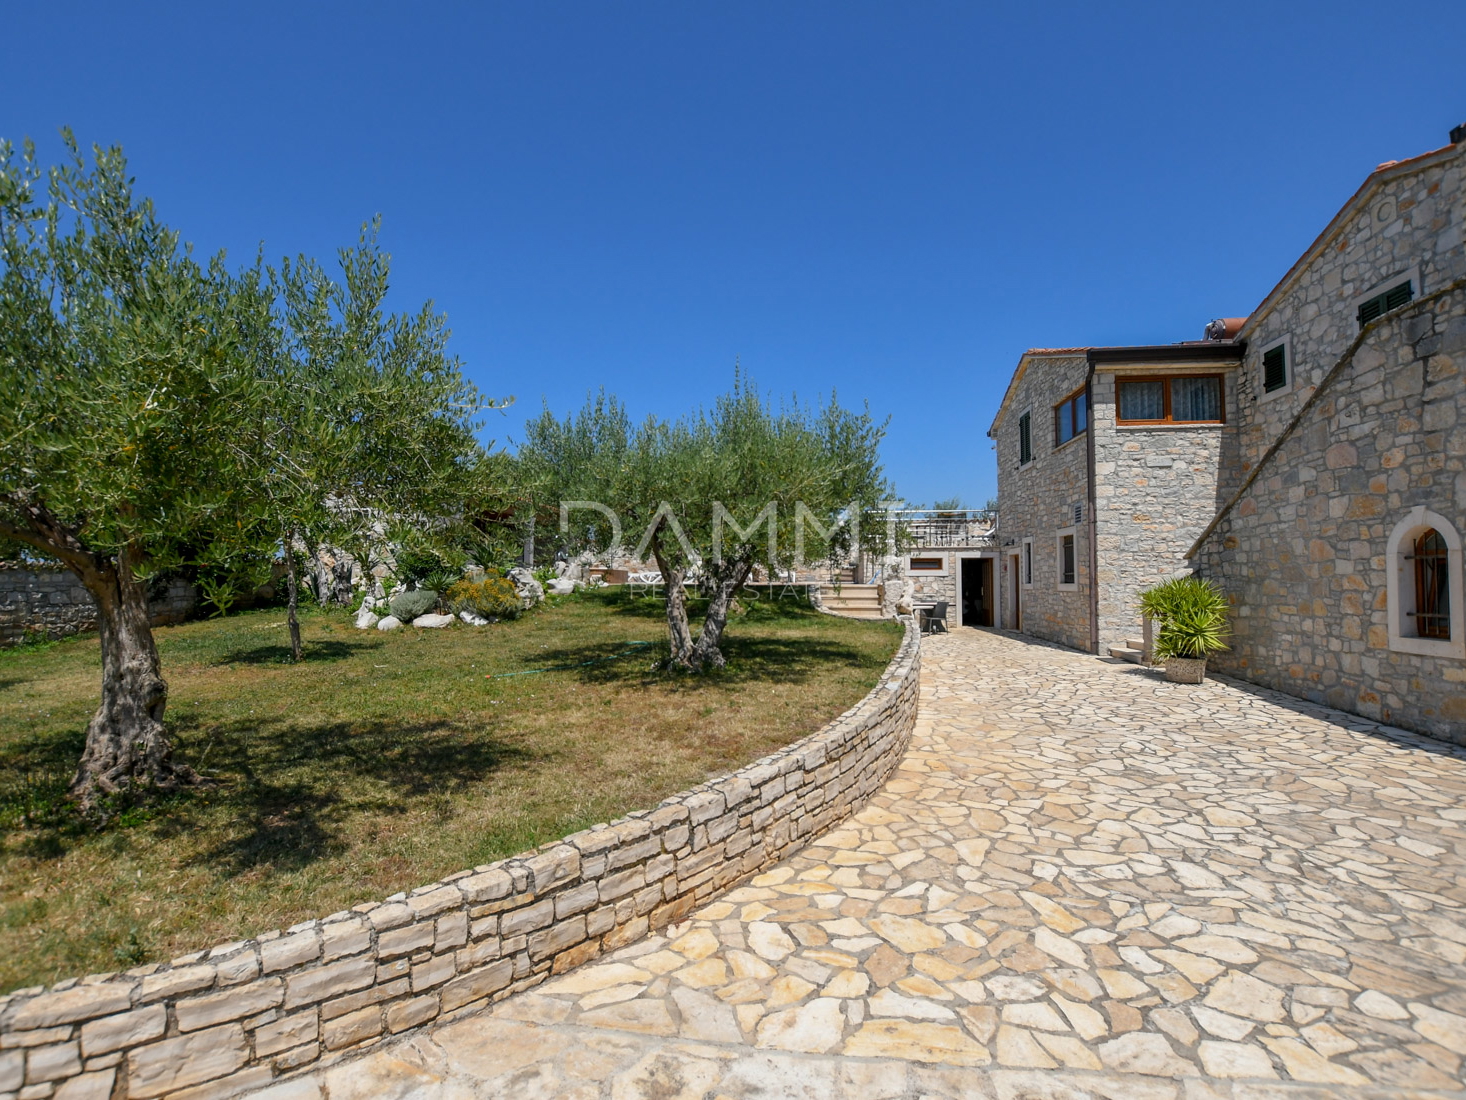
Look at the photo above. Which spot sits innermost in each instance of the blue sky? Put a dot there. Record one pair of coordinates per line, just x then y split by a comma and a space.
891, 200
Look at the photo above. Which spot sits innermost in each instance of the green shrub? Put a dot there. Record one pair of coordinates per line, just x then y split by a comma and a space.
409, 605
493, 597
1190, 615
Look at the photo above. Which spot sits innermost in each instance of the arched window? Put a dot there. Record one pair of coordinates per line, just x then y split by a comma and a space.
1432, 586
1425, 609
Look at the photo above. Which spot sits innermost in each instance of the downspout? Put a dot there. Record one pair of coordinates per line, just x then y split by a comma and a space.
1094, 646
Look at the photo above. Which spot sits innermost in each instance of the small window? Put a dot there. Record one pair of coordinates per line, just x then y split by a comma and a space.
1275, 368
1066, 559
1398, 295
1025, 440
1432, 587
1180, 399
1027, 561
1071, 417
926, 565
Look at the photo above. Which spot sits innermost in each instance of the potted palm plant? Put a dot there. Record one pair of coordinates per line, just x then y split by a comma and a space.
1191, 617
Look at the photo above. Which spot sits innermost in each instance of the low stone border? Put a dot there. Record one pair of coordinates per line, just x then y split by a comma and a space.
219, 1022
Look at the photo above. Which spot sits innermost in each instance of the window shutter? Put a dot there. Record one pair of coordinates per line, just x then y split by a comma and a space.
1371, 309
1025, 441
1274, 369
1399, 296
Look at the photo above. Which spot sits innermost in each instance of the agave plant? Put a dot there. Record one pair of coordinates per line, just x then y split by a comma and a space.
1191, 617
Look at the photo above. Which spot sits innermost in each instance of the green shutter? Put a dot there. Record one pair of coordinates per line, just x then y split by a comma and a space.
1274, 369
1025, 441
1398, 296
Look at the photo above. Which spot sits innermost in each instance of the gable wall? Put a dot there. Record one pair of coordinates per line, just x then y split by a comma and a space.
1413, 221
1037, 501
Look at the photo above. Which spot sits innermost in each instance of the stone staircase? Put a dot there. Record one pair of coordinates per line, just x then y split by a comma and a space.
859, 601
1133, 651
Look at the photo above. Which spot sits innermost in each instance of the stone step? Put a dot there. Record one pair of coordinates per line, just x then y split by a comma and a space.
1126, 653
857, 612
1136, 643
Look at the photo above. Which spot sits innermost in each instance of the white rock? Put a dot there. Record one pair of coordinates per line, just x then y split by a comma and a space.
473, 618
432, 622
530, 590
365, 620
391, 622
562, 586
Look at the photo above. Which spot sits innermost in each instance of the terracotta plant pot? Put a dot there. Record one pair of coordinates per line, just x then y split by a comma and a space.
1186, 670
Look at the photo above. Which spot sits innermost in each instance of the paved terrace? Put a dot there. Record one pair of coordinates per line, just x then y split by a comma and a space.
1082, 881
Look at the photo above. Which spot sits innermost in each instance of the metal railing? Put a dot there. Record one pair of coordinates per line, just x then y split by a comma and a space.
924, 527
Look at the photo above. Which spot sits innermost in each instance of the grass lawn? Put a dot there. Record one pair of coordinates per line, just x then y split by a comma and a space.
382, 762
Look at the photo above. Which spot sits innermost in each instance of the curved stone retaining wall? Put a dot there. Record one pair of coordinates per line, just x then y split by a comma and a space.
223, 1021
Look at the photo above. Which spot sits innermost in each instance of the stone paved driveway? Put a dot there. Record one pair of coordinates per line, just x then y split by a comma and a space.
1082, 880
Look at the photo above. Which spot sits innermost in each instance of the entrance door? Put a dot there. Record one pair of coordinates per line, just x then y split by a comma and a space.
977, 592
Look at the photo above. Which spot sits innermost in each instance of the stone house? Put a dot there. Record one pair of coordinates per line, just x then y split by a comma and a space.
1310, 458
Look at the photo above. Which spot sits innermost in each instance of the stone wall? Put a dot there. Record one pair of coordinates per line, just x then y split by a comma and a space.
1411, 222
1037, 502
1301, 551
1156, 489
219, 1022
48, 601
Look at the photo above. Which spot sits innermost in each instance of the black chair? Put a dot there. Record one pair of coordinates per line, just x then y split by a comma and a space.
934, 617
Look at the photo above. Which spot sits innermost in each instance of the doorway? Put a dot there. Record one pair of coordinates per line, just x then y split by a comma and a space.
976, 594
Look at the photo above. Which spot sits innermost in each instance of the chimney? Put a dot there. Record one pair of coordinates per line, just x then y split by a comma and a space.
1458, 134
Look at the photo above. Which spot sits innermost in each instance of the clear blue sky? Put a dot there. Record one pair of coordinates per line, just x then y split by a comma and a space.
889, 199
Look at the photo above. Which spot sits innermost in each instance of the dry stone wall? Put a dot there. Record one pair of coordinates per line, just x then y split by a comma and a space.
219, 1022
1302, 551
48, 601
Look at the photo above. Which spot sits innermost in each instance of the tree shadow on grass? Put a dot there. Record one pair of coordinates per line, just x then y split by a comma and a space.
295, 789
776, 660
314, 651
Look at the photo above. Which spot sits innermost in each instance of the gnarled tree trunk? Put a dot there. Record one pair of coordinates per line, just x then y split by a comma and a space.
679, 633
706, 652
126, 749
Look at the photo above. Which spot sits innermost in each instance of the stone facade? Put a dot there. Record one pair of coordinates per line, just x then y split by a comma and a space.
1037, 501
1294, 502
48, 601
237, 1017
1155, 489
1302, 551
1407, 219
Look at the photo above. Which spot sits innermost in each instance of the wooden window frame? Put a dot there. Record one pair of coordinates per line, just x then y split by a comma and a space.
1082, 391
939, 567
1166, 380
1432, 587
1071, 536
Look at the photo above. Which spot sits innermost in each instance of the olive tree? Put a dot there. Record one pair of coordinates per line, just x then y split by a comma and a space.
715, 494
146, 420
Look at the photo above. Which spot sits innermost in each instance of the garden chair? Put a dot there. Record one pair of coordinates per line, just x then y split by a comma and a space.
933, 618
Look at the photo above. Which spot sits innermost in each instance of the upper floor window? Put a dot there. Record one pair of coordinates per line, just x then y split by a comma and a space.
1275, 369
1177, 399
1432, 586
1025, 440
1071, 417
1398, 295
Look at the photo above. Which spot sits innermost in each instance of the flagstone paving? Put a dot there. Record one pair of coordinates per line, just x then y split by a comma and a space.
1081, 880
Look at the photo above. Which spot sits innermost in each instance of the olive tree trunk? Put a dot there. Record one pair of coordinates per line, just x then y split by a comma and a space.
293, 589
679, 632
705, 653
126, 749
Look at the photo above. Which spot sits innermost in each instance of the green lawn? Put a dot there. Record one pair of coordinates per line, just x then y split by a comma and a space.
382, 762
